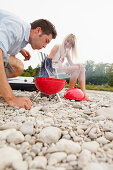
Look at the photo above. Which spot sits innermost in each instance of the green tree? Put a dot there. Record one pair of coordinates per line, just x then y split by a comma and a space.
96, 73
89, 66
30, 72
110, 75
100, 73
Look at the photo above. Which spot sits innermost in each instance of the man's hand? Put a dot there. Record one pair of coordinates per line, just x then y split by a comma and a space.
26, 54
21, 102
6, 91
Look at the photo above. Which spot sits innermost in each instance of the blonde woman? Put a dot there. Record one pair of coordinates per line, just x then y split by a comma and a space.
63, 56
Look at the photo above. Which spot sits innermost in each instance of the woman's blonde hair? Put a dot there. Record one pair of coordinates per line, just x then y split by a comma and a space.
72, 39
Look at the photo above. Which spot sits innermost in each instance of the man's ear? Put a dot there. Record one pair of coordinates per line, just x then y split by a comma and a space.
38, 30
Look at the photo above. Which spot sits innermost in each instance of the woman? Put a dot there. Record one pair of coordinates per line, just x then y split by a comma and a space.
57, 58
68, 50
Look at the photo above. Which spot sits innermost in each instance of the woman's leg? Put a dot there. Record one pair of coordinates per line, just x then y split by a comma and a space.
17, 65
82, 81
79, 73
73, 79
75, 71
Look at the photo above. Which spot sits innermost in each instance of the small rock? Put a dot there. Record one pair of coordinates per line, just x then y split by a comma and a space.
27, 128
15, 137
91, 146
71, 157
39, 162
20, 165
8, 156
50, 135
84, 158
102, 140
56, 157
109, 135
67, 146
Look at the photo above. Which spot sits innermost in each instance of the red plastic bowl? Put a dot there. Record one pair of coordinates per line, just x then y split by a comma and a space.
74, 94
49, 85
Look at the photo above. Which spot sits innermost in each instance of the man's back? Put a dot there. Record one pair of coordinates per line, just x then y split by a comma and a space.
14, 33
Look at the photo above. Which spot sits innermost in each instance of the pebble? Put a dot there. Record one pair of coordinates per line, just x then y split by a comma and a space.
15, 137
39, 162
27, 128
64, 145
109, 136
50, 135
9, 155
56, 157
91, 146
58, 136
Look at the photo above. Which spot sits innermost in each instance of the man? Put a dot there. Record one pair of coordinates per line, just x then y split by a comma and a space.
15, 34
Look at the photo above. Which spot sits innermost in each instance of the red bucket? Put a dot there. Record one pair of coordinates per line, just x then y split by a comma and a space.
74, 94
49, 85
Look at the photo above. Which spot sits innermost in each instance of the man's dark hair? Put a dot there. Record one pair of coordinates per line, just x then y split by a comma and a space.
46, 26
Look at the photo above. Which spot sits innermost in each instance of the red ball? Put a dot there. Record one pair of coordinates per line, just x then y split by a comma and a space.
74, 94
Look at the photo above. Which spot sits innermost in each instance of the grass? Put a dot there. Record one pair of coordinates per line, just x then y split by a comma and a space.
95, 87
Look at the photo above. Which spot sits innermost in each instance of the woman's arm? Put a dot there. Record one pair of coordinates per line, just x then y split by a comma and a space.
69, 59
52, 54
53, 51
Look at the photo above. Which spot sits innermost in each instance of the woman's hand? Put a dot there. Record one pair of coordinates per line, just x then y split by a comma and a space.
26, 54
54, 61
58, 63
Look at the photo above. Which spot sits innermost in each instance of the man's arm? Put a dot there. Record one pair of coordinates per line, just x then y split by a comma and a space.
26, 54
6, 91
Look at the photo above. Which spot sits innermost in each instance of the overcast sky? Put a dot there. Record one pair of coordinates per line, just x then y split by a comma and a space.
90, 20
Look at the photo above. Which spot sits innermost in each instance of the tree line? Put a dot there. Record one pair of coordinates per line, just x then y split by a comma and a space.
97, 74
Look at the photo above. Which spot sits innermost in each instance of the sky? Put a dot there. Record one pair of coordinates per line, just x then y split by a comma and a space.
90, 20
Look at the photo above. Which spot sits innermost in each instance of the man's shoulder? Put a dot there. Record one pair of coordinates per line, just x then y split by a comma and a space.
9, 17
6, 15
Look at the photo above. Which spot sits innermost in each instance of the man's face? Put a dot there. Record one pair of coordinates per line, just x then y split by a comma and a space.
39, 40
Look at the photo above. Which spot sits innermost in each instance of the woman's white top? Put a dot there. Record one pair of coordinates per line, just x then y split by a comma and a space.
61, 63
59, 58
